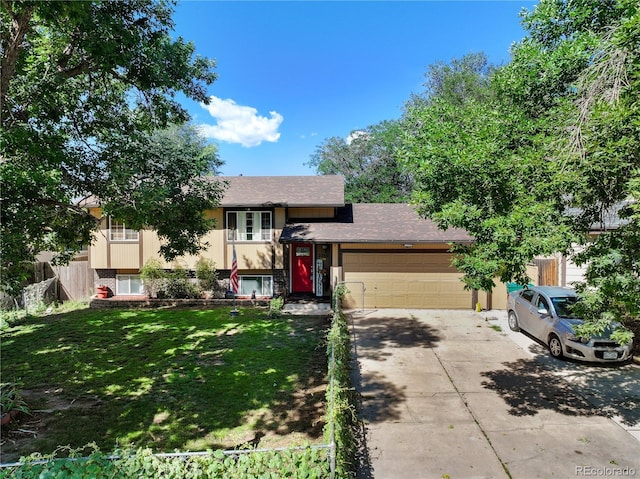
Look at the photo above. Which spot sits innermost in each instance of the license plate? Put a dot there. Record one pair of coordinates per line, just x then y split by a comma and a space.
610, 355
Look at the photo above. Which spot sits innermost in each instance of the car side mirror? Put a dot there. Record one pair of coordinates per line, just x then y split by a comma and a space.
543, 311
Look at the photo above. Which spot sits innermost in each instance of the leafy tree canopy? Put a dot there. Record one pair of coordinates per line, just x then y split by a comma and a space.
367, 159
542, 153
87, 91
459, 81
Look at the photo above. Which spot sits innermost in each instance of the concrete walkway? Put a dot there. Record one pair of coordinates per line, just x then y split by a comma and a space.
445, 395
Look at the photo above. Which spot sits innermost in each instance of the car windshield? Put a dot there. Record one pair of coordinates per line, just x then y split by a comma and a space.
564, 306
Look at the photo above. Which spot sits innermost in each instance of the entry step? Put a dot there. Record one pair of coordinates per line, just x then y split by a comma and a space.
308, 308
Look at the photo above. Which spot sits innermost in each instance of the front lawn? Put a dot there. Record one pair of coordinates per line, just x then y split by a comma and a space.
168, 379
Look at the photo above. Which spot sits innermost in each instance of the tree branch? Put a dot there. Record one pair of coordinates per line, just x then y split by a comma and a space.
75, 208
604, 80
20, 23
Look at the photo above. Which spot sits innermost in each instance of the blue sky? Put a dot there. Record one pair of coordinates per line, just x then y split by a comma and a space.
291, 74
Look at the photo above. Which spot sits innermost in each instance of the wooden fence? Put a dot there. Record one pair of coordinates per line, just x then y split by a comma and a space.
75, 280
547, 272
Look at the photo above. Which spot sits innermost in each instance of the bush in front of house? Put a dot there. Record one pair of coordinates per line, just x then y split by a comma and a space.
153, 277
276, 306
176, 283
179, 286
207, 275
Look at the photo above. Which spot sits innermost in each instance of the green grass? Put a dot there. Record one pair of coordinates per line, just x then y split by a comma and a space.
168, 379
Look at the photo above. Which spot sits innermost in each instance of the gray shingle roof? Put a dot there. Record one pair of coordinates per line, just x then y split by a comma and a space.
372, 223
260, 191
292, 191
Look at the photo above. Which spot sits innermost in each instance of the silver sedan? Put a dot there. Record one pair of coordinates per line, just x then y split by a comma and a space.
545, 313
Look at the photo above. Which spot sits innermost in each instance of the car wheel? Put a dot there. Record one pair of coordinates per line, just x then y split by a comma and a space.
513, 321
555, 346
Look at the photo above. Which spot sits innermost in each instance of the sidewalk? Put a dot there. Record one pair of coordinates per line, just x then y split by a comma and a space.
445, 395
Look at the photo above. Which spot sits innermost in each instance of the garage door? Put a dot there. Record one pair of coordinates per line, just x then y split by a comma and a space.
404, 280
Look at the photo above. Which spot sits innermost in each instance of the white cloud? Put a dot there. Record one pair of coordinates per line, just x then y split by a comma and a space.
303, 136
240, 124
354, 135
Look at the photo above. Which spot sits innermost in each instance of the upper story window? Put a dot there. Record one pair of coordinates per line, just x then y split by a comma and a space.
118, 231
249, 225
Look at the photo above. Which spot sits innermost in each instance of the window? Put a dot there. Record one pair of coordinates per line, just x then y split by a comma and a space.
527, 294
262, 285
542, 303
564, 306
118, 231
129, 284
249, 225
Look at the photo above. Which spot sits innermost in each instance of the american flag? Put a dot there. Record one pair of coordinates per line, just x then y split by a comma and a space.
233, 280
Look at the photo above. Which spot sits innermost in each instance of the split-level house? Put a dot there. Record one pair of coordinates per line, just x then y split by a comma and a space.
296, 236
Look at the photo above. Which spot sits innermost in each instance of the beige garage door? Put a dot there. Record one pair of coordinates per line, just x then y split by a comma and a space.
404, 280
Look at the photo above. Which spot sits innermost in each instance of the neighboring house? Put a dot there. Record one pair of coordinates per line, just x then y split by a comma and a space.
295, 236
560, 270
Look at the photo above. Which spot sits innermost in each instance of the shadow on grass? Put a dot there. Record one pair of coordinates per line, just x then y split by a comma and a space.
167, 379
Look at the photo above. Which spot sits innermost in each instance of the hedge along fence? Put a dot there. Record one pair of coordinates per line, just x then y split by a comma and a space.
335, 459
309, 462
341, 412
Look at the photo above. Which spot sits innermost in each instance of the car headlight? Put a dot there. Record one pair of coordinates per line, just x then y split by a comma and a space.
576, 339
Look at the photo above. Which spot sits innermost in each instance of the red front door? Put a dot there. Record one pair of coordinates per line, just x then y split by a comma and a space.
302, 268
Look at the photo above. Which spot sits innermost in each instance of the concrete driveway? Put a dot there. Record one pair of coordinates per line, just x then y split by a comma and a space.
445, 395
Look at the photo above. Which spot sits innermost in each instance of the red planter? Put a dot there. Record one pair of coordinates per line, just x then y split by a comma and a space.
102, 292
8, 417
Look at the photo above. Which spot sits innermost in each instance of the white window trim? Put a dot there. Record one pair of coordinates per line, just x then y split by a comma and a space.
120, 277
240, 278
263, 236
124, 232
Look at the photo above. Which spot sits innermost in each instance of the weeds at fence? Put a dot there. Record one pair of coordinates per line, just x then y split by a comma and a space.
308, 463
342, 418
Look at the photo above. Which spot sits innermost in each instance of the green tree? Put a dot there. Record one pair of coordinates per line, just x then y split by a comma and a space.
474, 163
84, 86
368, 161
460, 81
548, 151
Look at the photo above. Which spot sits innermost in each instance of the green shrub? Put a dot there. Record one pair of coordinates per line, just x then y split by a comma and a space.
207, 274
275, 307
10, 317
179, 286
153, 277
11, 399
